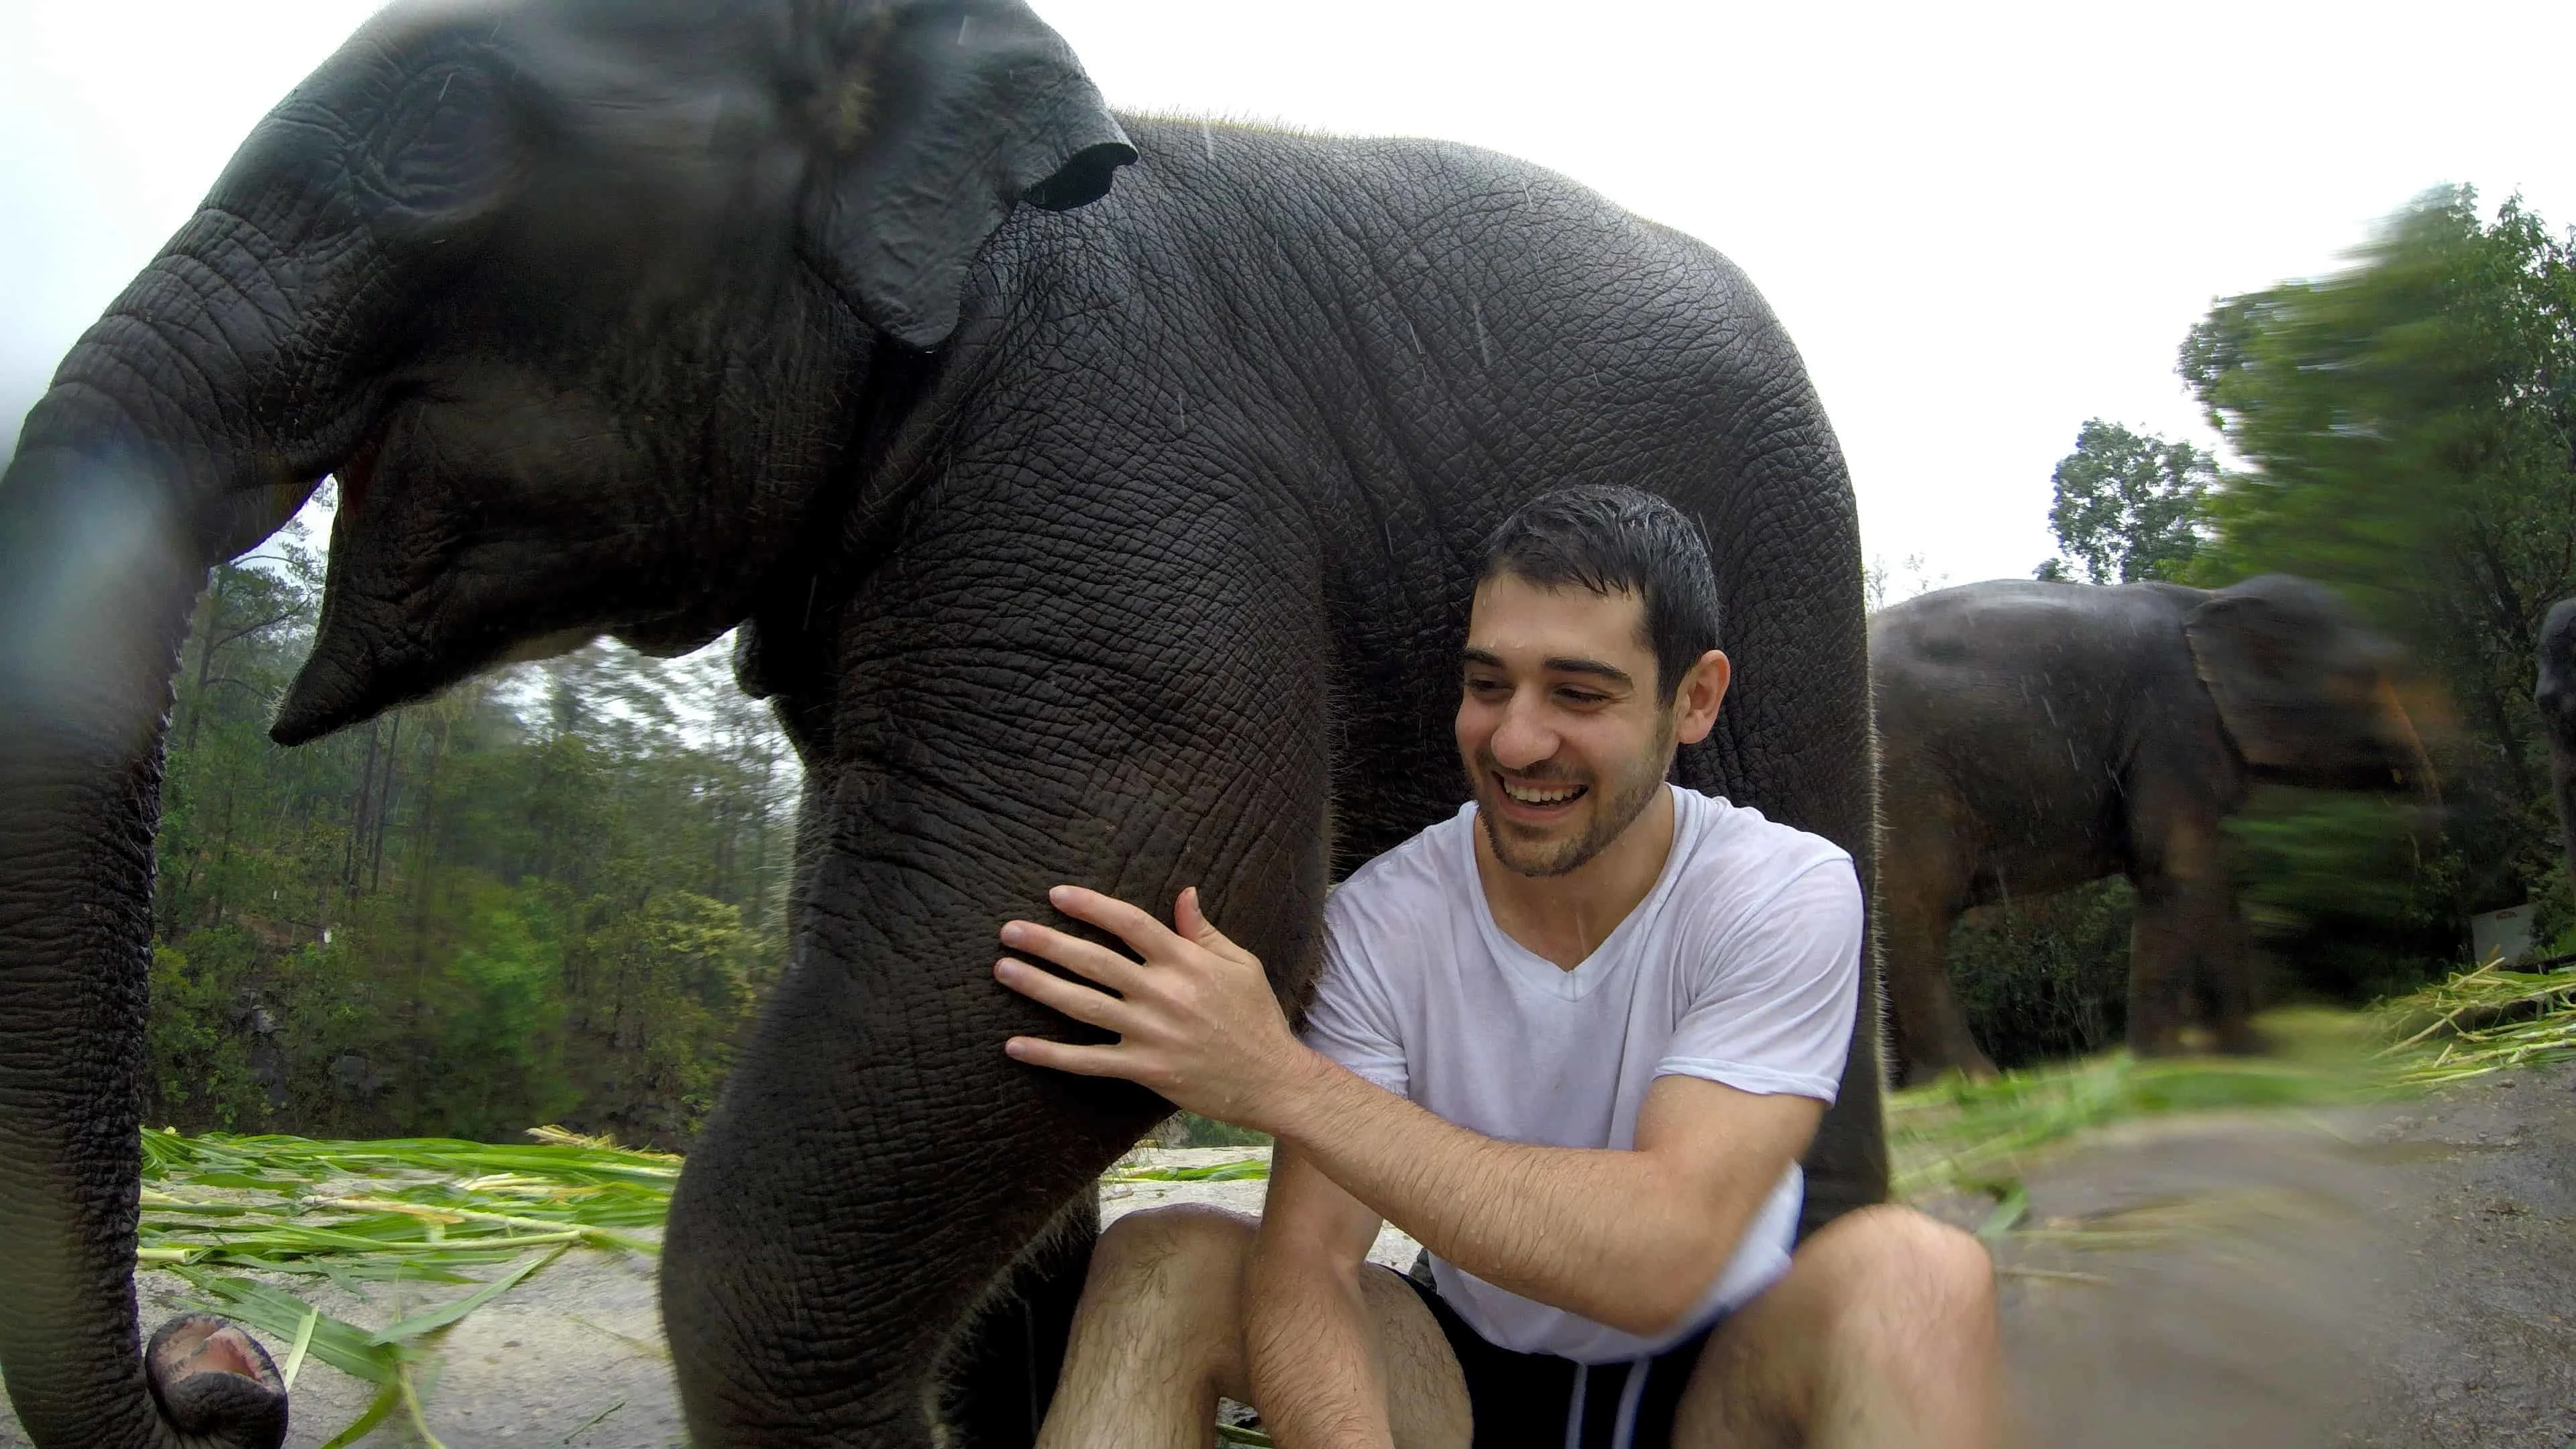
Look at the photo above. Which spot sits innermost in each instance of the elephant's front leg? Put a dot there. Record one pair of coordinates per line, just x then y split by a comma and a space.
877, 1162
2187, 946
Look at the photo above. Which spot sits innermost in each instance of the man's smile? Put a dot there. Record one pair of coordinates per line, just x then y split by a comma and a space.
1539, 795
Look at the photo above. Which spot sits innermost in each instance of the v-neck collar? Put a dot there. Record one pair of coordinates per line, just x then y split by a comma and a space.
1535, 970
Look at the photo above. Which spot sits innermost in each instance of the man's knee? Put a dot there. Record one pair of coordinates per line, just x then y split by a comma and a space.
1187, 1257
1900, 1273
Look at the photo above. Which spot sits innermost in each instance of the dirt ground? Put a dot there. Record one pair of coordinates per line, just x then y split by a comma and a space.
2391, 1278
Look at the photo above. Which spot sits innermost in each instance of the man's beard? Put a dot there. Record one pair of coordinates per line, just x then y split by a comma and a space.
1612, 814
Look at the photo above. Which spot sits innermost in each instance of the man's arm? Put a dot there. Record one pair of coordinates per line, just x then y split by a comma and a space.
1306, 1331
1627, 1238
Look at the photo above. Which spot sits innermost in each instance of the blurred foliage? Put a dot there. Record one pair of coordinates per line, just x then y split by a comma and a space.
2409, 432
2342, 895
1980, 1136
554, 893
2126, 507
2042, 977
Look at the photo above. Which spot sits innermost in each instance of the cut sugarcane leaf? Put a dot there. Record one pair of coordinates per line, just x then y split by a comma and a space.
295, 1352
280, 1314
387, 1399
447, 1313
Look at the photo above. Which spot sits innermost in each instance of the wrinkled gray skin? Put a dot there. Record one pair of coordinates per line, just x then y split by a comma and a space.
2035, 736
2555, 695
1126, 543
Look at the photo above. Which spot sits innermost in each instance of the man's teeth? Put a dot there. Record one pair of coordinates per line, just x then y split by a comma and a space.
1531, 795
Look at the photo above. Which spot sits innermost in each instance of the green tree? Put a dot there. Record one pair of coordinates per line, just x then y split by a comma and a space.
2127, 507
2409, 426
552, 893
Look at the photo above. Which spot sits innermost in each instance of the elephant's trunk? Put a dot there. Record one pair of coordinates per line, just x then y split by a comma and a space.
109, 515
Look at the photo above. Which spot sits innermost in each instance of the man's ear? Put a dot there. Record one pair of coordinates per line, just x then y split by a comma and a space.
953, 113
1703, 690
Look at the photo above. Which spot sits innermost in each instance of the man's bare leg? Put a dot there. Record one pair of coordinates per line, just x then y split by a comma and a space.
1159, 1336
1882, 1335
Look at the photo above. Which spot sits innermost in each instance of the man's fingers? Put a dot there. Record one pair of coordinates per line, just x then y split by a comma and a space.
1097, 1008
1082, 1061
1136, 927
1088, 958
1194, 924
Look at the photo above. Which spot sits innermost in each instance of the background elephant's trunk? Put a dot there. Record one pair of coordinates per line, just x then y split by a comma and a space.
109, 515
2418, 774
2407, 729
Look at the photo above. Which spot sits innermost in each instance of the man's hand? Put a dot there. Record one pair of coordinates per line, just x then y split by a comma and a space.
1195, 1018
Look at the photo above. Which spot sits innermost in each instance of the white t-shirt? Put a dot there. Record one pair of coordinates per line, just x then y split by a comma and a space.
1742, 966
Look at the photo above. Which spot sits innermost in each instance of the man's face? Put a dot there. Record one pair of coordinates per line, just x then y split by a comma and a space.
1561, 723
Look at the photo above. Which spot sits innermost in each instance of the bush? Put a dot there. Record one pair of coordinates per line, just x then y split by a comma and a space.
2046, 976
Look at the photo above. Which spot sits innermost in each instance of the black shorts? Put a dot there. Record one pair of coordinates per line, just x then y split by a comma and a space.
1540, 1401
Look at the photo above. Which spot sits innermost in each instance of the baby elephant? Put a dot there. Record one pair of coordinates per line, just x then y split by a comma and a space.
2035, 736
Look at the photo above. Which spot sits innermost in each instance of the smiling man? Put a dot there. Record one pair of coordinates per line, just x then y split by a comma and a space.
1574, 1040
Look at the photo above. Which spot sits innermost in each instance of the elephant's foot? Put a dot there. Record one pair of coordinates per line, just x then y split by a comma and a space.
2231, 1039
1972, 1064
2164, 1043
2238, 1039
215, 1383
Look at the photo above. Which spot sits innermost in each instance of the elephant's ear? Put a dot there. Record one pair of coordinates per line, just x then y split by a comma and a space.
2261, 658
957, 112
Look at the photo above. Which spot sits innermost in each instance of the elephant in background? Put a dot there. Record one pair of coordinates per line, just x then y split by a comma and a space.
2555, 696
1098, 499
2035, 736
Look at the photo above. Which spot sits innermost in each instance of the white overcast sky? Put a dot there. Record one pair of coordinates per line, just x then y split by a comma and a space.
1983, 225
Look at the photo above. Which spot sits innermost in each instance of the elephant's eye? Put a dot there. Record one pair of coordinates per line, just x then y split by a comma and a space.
441, 144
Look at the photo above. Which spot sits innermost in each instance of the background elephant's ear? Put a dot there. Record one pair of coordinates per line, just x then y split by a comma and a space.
2264, 661
953, 114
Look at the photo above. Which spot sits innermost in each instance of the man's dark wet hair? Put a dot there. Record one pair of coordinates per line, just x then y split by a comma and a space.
1615, 540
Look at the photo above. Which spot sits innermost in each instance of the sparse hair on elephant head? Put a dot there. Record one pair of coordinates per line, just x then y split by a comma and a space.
2292, 670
